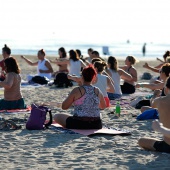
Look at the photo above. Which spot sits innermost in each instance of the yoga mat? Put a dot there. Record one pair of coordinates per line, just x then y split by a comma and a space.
16, 110
90, 132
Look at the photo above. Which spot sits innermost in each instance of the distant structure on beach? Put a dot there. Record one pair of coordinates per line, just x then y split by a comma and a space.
105, 50
144, 49
128, 41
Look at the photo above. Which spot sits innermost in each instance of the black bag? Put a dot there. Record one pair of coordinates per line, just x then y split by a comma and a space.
146, 76
40, 80
61, 80
142, 103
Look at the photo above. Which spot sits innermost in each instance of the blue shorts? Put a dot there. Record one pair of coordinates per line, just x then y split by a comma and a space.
113, 96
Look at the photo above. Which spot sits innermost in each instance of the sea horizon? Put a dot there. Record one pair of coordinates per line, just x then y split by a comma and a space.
119, 49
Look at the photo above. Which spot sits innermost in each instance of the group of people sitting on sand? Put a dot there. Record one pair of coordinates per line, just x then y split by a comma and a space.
99, 82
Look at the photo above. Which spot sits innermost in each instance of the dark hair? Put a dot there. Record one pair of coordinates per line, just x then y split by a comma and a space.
6, 49
113, 63
11, 65
168, 83
167, 53
90, 50
100, 65
166, 69
63, 51
89, 73
95, 53
42, 52
73, 55
78, 52
131, 59
95, 59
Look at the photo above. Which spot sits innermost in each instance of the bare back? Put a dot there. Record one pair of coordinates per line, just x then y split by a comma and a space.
162, 104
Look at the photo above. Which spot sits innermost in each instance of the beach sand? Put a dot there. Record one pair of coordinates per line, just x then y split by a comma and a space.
51, 149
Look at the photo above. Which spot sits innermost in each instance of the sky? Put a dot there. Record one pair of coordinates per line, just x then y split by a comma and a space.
85, 20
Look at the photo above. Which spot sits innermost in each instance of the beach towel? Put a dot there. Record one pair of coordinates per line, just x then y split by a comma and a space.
148, 114
92, 132
14, 111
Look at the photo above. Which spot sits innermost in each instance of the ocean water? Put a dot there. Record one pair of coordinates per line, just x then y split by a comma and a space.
117, 49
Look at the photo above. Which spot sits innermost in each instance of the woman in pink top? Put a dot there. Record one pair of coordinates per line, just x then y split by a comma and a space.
12, 93
87, 101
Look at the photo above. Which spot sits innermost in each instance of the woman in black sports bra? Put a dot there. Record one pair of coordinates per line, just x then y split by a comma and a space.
128, 87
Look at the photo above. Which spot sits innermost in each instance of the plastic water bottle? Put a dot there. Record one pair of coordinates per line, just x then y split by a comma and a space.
118, 109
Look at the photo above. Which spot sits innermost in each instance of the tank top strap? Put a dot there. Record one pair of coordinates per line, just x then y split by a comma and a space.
129, 68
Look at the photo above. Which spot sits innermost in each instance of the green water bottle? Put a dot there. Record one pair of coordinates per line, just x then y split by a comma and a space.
118, 109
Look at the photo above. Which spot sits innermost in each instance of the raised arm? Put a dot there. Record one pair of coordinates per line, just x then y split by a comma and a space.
75, 78
62, 62
83, 64
154, 69
8, 82
110, 86
109, 75
29, 61
151, 86
124, 75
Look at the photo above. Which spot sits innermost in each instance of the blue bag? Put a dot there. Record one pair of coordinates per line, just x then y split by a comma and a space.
148, 114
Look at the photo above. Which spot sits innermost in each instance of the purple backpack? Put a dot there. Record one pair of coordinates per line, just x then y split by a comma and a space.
37, 118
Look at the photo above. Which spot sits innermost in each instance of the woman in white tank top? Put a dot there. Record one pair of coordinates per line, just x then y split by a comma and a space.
44, 67
116, 74
102, 81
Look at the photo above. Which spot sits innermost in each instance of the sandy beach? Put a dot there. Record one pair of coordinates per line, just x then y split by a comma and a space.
51, 149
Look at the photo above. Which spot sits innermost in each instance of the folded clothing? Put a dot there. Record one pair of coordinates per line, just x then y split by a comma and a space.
148, 114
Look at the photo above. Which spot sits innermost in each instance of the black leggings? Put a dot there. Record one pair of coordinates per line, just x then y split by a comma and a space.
127, 88
73, 123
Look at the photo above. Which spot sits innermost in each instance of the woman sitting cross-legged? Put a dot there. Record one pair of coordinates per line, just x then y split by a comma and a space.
128, 87
116, 74
159, 87
44, 68
87, 100
162, 104
12, 93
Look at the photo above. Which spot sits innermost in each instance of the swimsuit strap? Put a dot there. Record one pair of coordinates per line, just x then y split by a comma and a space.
80, 91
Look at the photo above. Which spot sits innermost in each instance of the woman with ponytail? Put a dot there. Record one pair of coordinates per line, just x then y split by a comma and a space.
116, 74
44, 68
6, 52
103, 82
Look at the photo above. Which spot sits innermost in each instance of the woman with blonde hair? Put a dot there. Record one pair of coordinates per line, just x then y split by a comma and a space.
128, 86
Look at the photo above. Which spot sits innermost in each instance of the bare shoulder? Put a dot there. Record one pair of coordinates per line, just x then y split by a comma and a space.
159, 100
133, 68
75, 90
